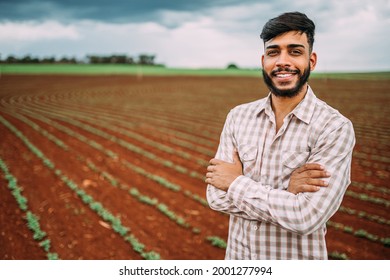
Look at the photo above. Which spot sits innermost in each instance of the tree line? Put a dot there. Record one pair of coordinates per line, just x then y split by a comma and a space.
142, 59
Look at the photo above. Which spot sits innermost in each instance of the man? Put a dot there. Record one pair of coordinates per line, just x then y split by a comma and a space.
283, 162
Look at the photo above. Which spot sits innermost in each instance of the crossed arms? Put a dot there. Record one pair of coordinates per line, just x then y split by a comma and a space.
313, 194
307, 178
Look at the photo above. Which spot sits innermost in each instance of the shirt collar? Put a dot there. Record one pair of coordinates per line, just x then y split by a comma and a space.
303, 111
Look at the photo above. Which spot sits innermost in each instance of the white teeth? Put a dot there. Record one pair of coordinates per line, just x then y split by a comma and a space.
284, 75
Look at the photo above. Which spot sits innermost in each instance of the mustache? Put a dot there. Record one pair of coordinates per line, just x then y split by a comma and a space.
285, 69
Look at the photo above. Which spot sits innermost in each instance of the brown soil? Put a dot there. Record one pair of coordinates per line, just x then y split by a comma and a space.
157, 109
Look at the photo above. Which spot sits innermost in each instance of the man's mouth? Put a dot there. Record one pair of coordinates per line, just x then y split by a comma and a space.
284, 75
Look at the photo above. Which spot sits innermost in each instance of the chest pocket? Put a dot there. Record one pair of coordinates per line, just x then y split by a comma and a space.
292, 160
248, 157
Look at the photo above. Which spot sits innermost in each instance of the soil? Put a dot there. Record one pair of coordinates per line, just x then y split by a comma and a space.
163, 116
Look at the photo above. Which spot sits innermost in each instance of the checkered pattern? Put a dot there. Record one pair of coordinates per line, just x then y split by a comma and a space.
267, 221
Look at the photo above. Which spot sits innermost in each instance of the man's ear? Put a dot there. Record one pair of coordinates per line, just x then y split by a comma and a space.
262, 61
313, 61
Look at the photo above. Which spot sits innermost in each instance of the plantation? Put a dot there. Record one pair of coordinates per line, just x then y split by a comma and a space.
112, 166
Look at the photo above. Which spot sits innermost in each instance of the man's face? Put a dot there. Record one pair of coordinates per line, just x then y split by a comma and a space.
287, 63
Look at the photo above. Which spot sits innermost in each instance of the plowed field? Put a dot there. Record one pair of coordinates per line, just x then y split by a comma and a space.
113, 166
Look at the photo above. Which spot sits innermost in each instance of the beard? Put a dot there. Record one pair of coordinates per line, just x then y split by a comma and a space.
302, 79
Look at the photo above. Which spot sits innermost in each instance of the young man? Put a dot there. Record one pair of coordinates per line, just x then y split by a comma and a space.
283, 162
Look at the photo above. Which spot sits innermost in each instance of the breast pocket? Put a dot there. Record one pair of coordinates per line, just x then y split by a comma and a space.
292, 160
248, 157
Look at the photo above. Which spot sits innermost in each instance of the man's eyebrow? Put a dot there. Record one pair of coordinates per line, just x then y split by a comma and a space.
273, 47
290, 46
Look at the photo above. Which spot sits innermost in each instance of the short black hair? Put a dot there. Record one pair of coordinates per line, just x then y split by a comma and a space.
292, 21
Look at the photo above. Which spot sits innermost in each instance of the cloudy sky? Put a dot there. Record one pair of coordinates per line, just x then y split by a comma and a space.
351, 35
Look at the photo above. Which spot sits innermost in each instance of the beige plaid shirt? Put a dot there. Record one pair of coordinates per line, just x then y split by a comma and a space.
267, 221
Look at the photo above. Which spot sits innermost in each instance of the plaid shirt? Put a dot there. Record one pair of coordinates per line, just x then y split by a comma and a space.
267, 221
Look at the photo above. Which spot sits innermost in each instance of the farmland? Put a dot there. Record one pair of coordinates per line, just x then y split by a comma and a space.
112, 166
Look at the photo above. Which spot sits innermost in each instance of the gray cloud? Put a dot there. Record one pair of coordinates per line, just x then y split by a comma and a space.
118, 11
350, 35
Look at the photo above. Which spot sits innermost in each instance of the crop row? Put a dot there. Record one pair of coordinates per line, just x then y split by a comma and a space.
125, 144
97, 207
369, 135
364, 215
205, 130
121, 142
185, 140
360, 233
157, 124
133, 191
115, 181
32, 219
370, 187
384, 160
69, 116
158, 179
180, 139
149, 200
163, 208
376, 151
365, 197
156, 113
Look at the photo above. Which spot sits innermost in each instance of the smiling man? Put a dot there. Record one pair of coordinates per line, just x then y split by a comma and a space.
283, 162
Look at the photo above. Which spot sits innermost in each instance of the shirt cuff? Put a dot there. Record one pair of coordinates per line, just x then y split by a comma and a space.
253, 193
238, 188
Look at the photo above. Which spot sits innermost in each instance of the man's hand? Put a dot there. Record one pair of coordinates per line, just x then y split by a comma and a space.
221, 173
308, 178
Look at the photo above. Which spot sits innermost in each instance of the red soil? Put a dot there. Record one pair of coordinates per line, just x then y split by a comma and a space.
156, 108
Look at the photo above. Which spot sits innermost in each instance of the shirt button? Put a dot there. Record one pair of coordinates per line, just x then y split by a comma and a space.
255, 227
244, 156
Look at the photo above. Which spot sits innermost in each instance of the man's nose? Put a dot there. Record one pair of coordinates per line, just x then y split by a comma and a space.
283, 60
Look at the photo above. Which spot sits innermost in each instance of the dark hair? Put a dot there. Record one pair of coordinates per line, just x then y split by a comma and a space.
293, 21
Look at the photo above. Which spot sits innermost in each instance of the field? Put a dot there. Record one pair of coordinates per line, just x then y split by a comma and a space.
112, 166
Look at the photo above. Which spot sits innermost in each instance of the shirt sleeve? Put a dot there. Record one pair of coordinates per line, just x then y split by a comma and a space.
303, 213
218, 200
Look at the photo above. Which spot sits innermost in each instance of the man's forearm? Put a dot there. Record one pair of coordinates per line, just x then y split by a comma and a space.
219, 201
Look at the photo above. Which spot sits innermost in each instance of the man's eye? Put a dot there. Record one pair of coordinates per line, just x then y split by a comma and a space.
296, 52
272, 53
